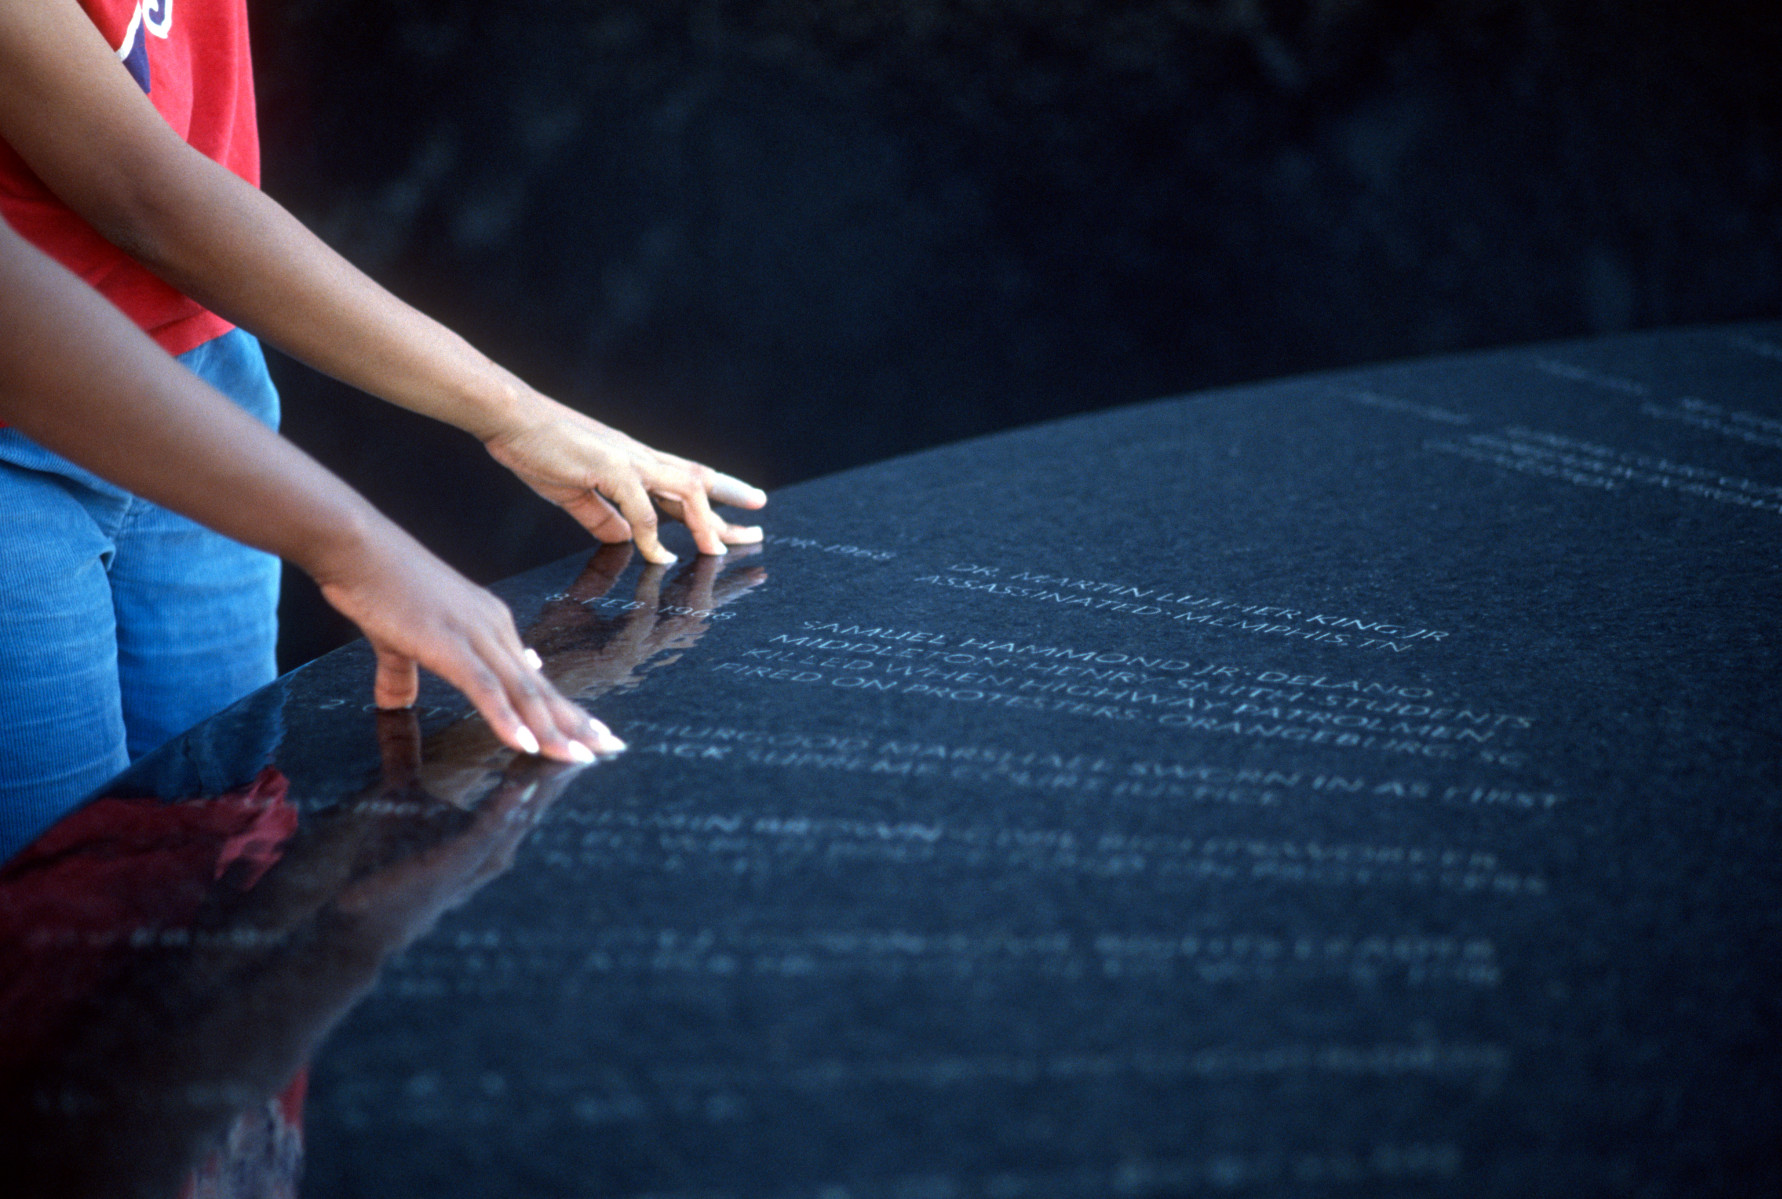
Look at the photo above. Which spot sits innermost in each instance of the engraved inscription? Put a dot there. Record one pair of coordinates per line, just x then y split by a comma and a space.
1588, 464
488, 964
1186, 607
765, 843
1386, 403
1728, 422
1111, 773
1181, 693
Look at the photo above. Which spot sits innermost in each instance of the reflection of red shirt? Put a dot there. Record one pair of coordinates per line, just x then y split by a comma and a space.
191, 57
111, 878
115, 877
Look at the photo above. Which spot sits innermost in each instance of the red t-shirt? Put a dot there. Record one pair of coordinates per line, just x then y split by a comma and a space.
191, 57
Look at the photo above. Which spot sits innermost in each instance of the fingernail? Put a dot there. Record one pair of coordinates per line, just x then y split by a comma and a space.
580, 754
604, 739
527, 740
532, 658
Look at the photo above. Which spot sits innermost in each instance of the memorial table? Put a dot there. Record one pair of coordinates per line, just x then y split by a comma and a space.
1366, 784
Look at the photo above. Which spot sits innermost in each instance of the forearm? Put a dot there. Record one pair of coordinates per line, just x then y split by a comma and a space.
89, 132
232, 248
239, 253
78, 378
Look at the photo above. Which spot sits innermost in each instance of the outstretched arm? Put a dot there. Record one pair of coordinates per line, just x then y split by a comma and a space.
74, 114
79, 378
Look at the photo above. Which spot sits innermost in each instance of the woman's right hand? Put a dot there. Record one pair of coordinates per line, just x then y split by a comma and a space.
612, 484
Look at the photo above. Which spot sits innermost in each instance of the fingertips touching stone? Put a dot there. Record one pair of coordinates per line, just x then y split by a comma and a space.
605, 741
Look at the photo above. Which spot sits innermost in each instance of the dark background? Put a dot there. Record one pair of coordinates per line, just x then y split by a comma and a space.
791, 236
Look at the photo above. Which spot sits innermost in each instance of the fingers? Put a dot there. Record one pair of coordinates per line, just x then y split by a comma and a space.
618, 507
605, 480
728, 534
600, 518
493, 701
695, 511
634, 505
550, 724
733, 491
563, 730
528, 715
483, 658
398, 682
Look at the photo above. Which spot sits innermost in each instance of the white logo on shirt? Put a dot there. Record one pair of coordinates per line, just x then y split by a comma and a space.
156, 16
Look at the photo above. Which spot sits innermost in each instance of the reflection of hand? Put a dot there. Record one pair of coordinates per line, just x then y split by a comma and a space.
405, 896
414, 609
584, 653
457, 765
587, 653
607, 480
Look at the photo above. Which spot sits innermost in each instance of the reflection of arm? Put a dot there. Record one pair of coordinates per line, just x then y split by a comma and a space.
192, 1038
163, 1096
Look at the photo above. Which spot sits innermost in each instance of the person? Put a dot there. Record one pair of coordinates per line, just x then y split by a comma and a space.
128, 152
81, 381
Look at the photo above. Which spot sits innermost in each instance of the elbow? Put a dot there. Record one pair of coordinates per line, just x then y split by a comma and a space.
151, 210
140, 218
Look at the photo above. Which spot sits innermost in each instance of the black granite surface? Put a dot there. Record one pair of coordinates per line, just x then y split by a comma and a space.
1365, 784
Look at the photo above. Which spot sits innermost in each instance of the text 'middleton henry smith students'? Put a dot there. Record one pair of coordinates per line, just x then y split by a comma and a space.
129, 154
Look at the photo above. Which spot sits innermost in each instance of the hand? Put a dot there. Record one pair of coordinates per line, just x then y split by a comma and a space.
607, 481
416, 610
427, 863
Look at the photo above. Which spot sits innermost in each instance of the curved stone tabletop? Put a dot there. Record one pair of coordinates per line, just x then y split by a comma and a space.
1361, 784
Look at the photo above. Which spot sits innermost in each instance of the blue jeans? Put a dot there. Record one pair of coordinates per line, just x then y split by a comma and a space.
121, 624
